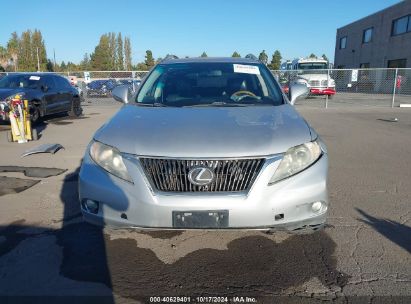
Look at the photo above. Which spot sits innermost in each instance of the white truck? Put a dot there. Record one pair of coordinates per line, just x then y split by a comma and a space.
313, 72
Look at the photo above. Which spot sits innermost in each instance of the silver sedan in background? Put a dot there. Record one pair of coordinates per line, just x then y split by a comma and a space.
206, 143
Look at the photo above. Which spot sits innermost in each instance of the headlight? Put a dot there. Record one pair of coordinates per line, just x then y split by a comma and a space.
296, 159
109, 159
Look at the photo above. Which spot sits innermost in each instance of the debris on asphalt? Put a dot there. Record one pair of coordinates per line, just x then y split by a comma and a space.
45, 148
394, 119
10, 185
33, 171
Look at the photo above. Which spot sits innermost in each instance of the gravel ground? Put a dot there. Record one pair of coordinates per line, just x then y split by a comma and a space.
362, 256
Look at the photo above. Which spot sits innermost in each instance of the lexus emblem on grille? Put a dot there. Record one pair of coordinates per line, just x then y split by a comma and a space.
201, 176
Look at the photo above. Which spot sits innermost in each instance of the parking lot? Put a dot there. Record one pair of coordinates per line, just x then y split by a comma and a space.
46, 249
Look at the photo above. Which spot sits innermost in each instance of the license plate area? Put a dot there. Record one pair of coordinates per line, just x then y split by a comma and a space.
200, 219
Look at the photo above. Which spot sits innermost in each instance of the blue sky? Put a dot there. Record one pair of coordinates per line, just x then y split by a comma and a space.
188, 27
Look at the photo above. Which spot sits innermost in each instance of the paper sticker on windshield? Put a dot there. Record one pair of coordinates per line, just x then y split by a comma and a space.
34, 78
247, 69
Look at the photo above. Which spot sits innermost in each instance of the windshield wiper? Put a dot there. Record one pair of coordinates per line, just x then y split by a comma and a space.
155, 104
218, 104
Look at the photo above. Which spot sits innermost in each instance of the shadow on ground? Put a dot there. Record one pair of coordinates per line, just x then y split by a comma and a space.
398, 233
250, 266
60, 119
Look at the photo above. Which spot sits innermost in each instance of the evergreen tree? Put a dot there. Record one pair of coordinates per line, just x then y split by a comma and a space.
85, 62
49, 66
235, 54
127, 53
263, 57
141, 67
325, 57
13, 46
120, 53
63, 66
112, 51
25, 55
312, 56
4, 58
149, 61
101, 59
204, 54
39, 49
275, 63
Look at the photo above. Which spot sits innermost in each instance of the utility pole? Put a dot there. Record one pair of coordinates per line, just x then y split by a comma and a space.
38, 61
54, 53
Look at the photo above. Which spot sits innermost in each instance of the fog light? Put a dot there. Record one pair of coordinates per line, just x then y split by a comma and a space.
317, 207
92, 206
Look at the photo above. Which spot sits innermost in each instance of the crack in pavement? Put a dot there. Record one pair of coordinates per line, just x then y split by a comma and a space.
353, 256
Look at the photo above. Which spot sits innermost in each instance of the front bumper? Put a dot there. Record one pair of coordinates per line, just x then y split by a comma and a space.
322, 91
285, 205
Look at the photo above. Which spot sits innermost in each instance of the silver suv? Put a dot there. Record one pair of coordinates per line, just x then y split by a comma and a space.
206, 144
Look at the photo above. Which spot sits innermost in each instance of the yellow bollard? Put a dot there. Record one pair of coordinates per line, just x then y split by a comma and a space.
27, 121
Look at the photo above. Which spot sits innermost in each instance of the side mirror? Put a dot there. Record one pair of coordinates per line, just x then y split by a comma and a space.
121, 94
298, 91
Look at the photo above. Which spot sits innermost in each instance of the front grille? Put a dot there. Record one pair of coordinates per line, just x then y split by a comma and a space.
324, 83
231, 175
314, 83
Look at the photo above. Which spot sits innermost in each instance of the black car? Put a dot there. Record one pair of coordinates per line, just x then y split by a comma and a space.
46, 93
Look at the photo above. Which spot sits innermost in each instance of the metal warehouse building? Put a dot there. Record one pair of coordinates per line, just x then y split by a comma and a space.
381, 40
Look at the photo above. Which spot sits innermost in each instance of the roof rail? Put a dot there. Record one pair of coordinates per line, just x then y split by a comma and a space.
251, 56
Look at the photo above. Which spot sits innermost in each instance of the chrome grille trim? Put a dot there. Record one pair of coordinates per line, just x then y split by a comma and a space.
314, 83
171, 175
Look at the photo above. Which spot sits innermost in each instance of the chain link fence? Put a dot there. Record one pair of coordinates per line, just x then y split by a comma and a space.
93, 86
351, 87
329, 88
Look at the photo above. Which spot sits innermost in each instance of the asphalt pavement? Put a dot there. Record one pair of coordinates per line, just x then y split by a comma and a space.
362, 256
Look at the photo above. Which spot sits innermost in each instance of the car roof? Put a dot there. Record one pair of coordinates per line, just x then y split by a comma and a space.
35, 74
31, 73
210, 60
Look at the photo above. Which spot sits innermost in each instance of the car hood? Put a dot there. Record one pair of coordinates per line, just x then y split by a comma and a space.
6, 92
205, 132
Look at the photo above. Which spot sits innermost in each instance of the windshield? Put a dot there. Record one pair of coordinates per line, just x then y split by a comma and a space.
313, 68
20, 81
209, 84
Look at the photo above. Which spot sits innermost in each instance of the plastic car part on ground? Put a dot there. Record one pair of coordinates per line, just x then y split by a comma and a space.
45, 148
33, 171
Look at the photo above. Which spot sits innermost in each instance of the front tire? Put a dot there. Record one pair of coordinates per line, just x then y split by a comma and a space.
76, 109
35, 115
